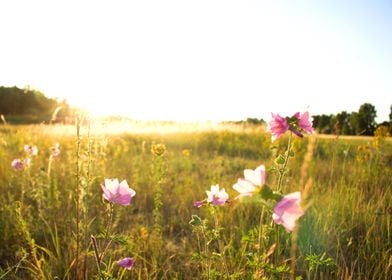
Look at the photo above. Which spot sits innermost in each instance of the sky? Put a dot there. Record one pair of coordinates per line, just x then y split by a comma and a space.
201, 60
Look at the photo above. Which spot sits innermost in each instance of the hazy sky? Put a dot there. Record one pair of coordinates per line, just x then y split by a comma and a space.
201, 60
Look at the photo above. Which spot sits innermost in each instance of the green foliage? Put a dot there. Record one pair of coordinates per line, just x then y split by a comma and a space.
366, 119
323, 123
355, 123
248, 121
21, 106
211, 254
343, 124
317, 262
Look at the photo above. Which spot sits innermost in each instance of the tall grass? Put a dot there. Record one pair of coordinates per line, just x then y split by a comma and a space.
46, 221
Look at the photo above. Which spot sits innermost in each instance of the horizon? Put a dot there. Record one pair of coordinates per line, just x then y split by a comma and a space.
210, 60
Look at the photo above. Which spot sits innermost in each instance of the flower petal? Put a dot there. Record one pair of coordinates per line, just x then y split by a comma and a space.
126, 263
244, 186
288, 210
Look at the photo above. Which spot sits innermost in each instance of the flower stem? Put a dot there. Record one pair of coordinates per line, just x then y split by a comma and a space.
261, 226
293, 251
282, 171
97, 258
50, 164
108, 227
221, 247
206, 251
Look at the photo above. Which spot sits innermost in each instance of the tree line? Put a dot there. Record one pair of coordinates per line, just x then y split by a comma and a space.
22, 106
362, 122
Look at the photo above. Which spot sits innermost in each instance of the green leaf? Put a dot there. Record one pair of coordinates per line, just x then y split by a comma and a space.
271, 169
280, 159
195, 221
267, 193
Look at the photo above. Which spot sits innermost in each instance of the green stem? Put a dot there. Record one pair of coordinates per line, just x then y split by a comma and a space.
159, 173
77, 190
97, 257
293, 253
24, 182
221, 248
206, 252
30, 241
282, 171
261, 227
50, 165
85, 198
108, 227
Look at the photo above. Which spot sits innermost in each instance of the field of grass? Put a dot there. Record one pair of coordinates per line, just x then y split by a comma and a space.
51, 211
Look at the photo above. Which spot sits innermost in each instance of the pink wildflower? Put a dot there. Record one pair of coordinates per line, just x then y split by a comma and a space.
126, 263
278, 126
118, 193
27, 162
254, 179
56, 150
300, 123
216, 196
305, 123
17, 164
33, 150
199, 203
288, 210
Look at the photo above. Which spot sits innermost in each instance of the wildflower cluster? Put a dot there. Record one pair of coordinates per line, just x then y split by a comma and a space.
30, 152
285, 209
20, 164
119, 193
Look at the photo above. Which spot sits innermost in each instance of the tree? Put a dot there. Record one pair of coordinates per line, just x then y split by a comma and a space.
366, 119
354, 123
343, 120
323, 123
29, 106
255, 121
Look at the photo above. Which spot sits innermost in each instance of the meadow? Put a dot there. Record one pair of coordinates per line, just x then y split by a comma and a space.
54, 221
